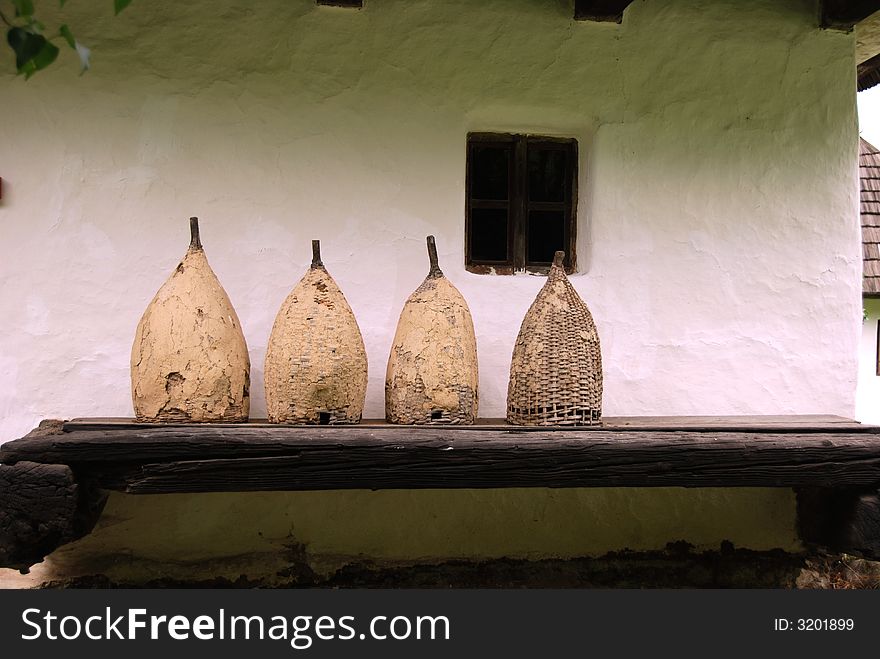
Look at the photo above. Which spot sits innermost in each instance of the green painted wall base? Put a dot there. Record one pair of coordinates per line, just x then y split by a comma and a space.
270, 535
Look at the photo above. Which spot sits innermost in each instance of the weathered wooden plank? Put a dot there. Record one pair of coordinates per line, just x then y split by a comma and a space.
42, 508
208, 457
169, 443
780, 423
834, 458
868, 73
834, 462
774, 423
369, 469
248, 457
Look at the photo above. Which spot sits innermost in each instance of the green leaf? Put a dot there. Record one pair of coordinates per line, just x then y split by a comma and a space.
23, 7
44, 58
68, 36
61, 3
25, 44
32, 51
119, 5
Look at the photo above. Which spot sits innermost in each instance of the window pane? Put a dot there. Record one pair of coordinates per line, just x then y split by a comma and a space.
489, 172
546, 174
489, 234
546, 235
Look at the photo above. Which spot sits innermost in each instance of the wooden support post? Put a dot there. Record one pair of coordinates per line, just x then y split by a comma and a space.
841, 520
43, 508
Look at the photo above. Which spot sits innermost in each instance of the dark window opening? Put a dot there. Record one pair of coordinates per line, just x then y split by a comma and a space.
521, 202
342, 3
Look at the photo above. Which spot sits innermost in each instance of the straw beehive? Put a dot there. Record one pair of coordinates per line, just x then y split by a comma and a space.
316, 364
556, 371
432, 369
189, 361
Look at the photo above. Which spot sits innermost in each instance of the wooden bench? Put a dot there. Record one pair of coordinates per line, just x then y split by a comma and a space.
53, 481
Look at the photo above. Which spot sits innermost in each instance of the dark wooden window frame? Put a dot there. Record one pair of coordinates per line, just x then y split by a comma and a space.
518, 204
353, 4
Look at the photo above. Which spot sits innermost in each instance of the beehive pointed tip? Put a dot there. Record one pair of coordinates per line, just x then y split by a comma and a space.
195, 241
435, 270
559, 259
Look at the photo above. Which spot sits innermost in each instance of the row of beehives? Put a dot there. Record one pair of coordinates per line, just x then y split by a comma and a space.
189, 361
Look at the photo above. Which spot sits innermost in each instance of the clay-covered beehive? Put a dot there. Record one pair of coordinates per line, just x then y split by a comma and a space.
189, 360
316, 364
556, 371
432, 369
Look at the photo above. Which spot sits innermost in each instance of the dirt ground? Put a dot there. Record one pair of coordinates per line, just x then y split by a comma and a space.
676, 567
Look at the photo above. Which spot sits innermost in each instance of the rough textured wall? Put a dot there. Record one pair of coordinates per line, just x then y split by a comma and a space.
719, 240
271, 535
868, 37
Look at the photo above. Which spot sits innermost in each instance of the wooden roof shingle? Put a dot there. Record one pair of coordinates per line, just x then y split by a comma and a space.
869, 197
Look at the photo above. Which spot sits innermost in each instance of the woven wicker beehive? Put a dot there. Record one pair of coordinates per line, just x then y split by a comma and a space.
556, 371
189, 360
316, 363
432, 369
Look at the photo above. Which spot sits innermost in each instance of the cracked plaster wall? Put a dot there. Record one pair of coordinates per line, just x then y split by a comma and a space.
718, 232
719, 240
719, 246
265, 535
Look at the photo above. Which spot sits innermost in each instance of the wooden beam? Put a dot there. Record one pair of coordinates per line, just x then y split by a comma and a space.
868, 73
609, 11
755, 423
242, 457
49, 480
844, 14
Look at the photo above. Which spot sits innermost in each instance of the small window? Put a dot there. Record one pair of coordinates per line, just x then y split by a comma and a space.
521, 202
342, 3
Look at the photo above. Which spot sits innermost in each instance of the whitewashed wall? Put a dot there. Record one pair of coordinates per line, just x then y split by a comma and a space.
718, 211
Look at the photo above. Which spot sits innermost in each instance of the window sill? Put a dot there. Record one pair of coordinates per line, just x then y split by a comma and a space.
536, 270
